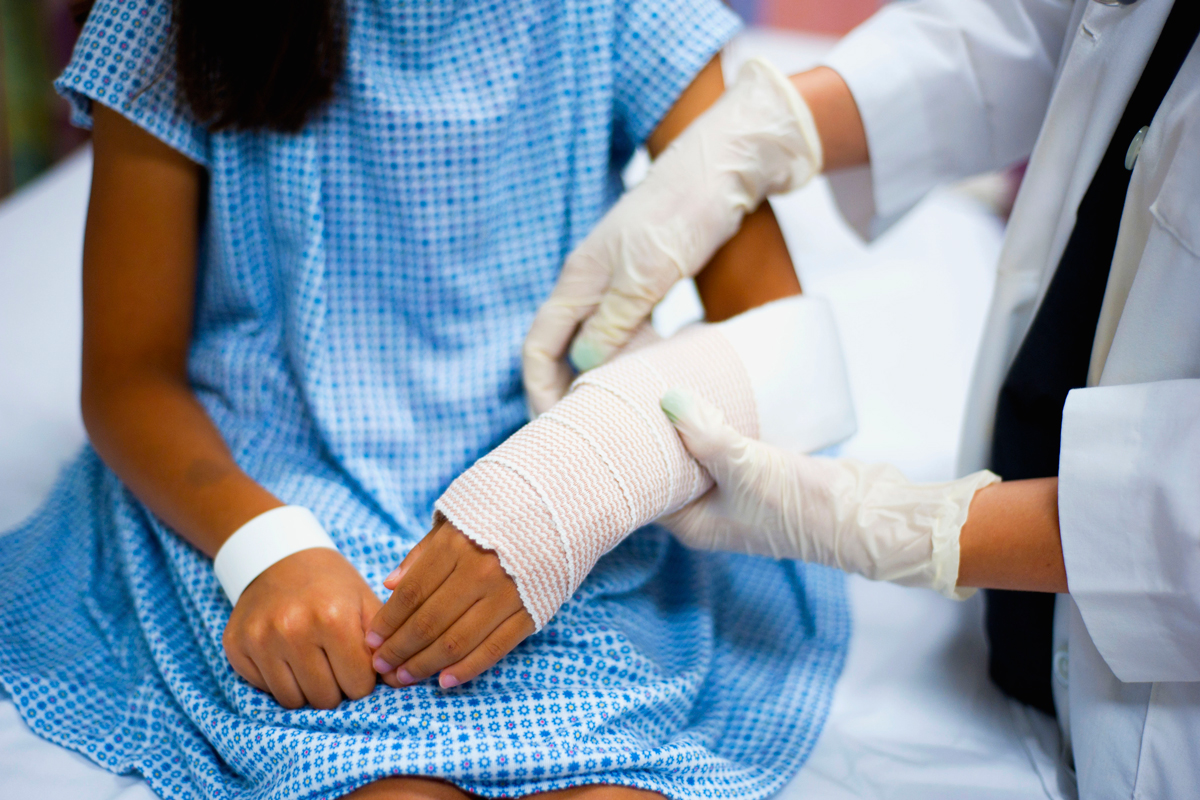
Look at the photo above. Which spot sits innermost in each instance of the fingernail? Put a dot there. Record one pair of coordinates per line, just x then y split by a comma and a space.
447, 681
373, 642
675, 403
585, 355
404, 677
395, 575
381, 666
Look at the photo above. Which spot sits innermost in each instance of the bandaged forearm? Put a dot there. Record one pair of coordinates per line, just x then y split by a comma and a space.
569, 486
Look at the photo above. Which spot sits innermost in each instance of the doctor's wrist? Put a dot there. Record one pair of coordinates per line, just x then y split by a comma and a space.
835, 112
1011, 538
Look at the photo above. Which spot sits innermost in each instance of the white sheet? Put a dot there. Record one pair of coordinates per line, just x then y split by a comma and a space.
41, 239
913, 715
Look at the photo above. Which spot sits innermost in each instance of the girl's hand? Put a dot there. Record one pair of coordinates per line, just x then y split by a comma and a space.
453, 609
297, 631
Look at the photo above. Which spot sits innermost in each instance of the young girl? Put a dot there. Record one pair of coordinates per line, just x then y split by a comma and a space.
316, 239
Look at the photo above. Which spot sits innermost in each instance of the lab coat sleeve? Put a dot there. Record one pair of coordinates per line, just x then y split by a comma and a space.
1129, 511
949, 88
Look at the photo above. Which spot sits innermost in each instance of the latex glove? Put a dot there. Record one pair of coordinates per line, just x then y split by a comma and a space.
757, 139
862, 518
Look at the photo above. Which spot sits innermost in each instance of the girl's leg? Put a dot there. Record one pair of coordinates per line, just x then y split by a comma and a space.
406, 788
600, 792
426, 789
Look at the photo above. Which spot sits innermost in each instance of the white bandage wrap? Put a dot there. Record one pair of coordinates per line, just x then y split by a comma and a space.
263, 541
569, 486
793, 356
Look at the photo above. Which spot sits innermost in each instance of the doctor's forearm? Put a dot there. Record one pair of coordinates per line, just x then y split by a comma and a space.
839, 123
1011, 538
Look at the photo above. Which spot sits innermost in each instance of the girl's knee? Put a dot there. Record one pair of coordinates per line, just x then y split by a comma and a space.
408, 788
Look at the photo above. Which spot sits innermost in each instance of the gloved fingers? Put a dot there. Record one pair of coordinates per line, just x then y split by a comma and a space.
578, 292
704, 432
697, 524
546, 382
544, 372
707, 524
625, 306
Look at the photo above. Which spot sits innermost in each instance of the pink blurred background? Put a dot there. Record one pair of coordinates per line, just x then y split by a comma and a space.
814, 16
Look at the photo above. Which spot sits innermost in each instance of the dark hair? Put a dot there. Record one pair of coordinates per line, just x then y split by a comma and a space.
251, 64
255, 64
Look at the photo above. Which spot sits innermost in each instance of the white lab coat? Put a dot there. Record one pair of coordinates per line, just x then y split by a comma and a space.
948, 88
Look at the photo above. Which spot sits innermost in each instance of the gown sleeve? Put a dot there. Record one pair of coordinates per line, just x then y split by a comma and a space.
949, 88
125, 59
658, 48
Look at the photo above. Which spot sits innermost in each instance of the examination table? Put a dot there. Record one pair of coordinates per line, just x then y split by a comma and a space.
914, 715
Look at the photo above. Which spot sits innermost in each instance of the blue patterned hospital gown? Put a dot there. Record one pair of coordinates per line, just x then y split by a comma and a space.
364, 289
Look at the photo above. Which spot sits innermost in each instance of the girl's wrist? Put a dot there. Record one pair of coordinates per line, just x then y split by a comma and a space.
264, 541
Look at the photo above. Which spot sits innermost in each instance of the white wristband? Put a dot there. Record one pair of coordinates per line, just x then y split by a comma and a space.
268, 538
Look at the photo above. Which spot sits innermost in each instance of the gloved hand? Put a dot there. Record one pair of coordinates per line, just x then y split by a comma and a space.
758, 139
841, 513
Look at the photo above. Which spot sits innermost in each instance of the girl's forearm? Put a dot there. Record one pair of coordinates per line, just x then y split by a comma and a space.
153, 432
1011, 538
751, 269
139, 277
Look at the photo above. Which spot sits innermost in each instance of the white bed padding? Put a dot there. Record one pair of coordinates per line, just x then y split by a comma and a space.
914, 715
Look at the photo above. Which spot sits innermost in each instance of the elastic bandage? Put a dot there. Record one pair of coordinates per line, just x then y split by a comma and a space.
605, 460
569, 486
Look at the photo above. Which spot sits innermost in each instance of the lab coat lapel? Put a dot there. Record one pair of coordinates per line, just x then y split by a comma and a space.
1161, 160
1106, 54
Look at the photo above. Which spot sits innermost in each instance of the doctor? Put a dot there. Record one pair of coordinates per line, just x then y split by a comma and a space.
1086, 395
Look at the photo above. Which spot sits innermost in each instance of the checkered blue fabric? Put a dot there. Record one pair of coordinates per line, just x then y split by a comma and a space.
365, 286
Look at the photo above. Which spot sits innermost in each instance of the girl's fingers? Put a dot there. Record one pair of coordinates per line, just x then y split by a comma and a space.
350, 659
411, 591
496, 646
462, 638
315, 677
280, 682
244, 665
434, 617
405, 564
